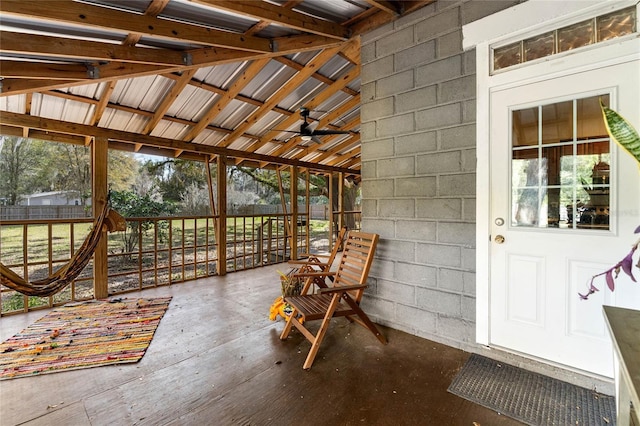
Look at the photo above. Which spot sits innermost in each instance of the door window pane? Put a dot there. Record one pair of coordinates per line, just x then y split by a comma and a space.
560, 166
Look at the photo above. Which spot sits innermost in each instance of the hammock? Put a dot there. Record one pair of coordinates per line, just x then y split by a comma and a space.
66, 274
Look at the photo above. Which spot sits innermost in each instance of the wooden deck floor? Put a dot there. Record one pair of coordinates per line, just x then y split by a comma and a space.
216, 359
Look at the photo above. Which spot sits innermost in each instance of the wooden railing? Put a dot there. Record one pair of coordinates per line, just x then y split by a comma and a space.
152, 252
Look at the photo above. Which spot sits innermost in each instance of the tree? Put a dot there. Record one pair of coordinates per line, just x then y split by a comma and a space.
122, 170
20, 159
130, 204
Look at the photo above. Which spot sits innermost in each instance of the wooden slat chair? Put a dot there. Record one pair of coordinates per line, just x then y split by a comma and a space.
319, 262
341, 299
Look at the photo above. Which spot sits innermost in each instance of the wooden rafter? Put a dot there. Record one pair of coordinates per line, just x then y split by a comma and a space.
282, 16
94, 53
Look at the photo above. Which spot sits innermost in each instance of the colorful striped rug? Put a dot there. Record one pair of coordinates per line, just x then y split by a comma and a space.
82, 335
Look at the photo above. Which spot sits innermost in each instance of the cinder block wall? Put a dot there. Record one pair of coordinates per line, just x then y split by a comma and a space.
418, 170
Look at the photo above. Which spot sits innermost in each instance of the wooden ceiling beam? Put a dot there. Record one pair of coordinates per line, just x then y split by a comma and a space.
200, 58
44, 70
115, 20
57, 126
264, 11
87, 51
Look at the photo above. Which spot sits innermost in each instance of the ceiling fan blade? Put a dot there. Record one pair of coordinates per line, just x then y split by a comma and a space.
330, 132
316, 140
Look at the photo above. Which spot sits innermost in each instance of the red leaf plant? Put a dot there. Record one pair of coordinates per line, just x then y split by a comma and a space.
626, 265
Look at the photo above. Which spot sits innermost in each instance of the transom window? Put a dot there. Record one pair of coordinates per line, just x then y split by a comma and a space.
560, 165
590, 31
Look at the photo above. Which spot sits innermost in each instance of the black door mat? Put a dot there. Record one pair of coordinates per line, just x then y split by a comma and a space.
530, 397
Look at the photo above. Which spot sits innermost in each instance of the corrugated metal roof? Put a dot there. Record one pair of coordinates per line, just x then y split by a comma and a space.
131, 78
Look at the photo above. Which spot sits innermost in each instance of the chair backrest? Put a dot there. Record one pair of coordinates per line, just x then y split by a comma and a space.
337, 245
356, 261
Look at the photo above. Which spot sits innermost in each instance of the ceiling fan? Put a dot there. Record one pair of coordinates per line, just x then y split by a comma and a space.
311, 135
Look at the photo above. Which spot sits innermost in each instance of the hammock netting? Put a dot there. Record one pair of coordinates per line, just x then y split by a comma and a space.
66, 274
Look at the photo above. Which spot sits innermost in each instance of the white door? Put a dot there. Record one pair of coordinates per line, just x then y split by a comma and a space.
564, 204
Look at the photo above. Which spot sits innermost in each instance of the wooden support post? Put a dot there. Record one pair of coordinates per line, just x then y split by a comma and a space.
332, 233
340, 200
99, 160
293, 196
212, 202
221, 223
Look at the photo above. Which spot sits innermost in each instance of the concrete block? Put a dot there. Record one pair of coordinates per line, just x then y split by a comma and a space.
394, 41
415, 55
439, 162
449, 44
469, 280
415, 186
469, 161
417, 319
420, 275
396, 167
400, 251
438, 117
456, 185
451, 280
439, 254
417, 99
457, 233
376, 109
416, 143
439, 301
469, 308
393, 84
397, 208
474, 10
458, 89
376, 149
367, 93
383, 269
456, 328
382, 31
367, 52
469, 62
438, 24
416, 230
382, 227
417, 16
375, 70
369, 207
439, 208
442, 70
398, 125
469, 259
369, 170
376, 307
377, 188
469, 111
397, 292
458, 137
368, 131
469, 209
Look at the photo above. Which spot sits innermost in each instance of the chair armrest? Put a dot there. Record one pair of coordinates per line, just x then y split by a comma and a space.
342, 288
314, 274
306, 262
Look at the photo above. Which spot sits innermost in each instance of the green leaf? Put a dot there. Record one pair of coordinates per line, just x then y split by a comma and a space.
621, 131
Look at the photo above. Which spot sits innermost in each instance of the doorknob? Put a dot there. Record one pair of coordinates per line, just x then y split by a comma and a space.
499, 239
